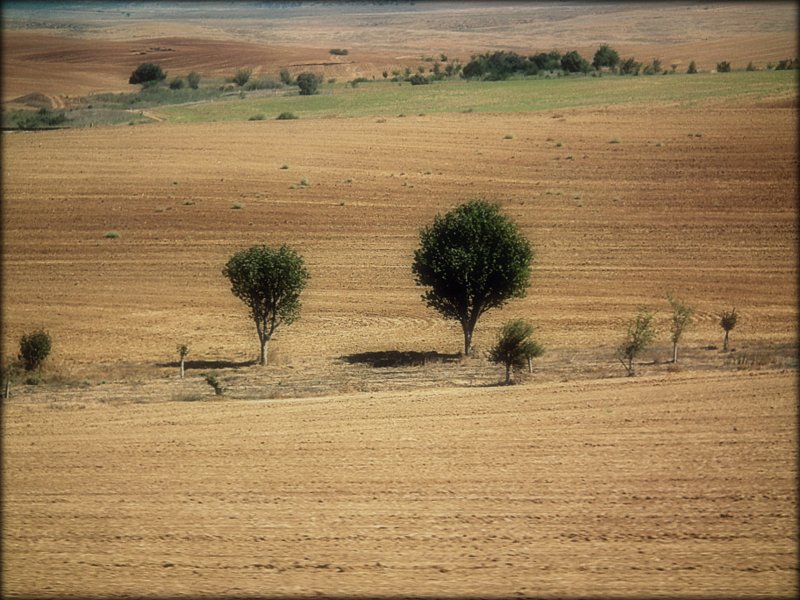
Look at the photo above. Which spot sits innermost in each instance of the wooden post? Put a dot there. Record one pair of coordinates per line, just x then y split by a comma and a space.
530, 365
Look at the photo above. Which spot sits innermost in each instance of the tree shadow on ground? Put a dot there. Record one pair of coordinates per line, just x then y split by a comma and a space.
210, 364
396, 358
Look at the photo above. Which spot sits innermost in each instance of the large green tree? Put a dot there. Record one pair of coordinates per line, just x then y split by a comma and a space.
269, 282
472, 259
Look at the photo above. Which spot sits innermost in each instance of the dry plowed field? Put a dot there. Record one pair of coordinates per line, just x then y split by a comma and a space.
328, 472
369, 458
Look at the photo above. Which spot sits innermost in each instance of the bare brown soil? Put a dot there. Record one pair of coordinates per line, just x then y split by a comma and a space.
369, 458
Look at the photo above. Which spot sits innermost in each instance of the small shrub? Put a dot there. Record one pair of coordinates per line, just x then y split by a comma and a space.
34, 349
177, 84
242, 76
339, 51
286, 77
237, 206
147, 72
262, 83
193, 79
286, 116
258, 117
111, 235
304, 182
308, 83
284, 167
723, 67
418, 79
751, 67
214, 383
613, 141
508, 136
692, 68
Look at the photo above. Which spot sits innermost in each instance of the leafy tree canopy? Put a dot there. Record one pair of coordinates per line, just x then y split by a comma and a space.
147, 72
472, 259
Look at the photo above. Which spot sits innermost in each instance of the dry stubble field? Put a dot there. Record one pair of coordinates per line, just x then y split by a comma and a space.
324, 474
317, 475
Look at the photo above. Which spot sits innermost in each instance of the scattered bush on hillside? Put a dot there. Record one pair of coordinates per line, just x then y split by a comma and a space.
242, 76
286, 116
354, 82
339, 51
692, 68
177, 83
723, 67
34, 349
258, 117
787, 64
750, 67
147, 72
193, 79
308, 83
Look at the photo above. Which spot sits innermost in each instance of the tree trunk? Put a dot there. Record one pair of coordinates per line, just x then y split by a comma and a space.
182, 369
467, 340
262, 360
674, 352
725, 342
508, 373
530, 365
7, 392
631, 370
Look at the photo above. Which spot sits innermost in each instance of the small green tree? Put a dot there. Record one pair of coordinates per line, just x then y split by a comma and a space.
34, 349
727, 320
147, 72
681, 319
723, 67
242, 76
269, 282
177, 83
514, 347
308, 83
183, 350
472, 259
692, 68
193, 79
640, 335
572, 62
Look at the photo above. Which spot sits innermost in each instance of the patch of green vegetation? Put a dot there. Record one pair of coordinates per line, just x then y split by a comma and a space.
512, 95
